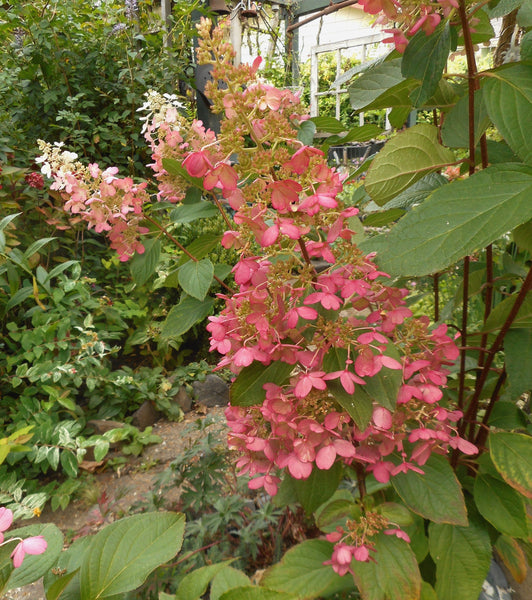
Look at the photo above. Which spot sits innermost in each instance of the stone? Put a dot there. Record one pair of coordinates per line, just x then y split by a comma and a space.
183, 399
211, 392
145, 415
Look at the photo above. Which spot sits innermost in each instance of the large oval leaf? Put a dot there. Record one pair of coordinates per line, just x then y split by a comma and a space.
195, 277
34, 567
247, 388
425, 58
444, 228
301, 572
183, 316
508, 97
501, 505
436, 495
512, 456
394, 575
405, 159
122, 555
462, 556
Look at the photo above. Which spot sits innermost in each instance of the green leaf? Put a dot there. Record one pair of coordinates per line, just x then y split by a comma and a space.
417, 193
518, 352
507, 415
384, 217
201, 246
427, 592
306, 132
436, 495
462, 556
195, 583
174, 167
482, 31
37, 245
195, 277
301, 572
123, 554
503, 7
394, 575
522, 236
526, 46
318, 488
512, 455
455, 128
500, 313
328, 124
508, 97
444, 228
357, 134
382, 86
6, 220
396, 513
501, 505
227, 579
187, 213
182, 317
405, 159
143, 265
383, 387
425, 58
247, 390
512, 556
524, 16
336, 512
69, 463
256, 593
359, 406
34, 567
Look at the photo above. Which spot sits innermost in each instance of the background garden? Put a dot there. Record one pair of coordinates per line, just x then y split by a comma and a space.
388, 454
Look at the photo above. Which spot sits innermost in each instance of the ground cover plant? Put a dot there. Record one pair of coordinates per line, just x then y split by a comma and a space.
407, 441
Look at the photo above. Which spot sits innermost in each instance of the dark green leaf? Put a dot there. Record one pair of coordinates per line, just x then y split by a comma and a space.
187, 213
405, 159
195, 277
425, 58
436, 495
301, 572
247, 388
69, 463
393, 575
526, 46
328, 124
518, 350
522, 236
512, 556
482, 31
359, 406
512, 455
195, 583
34, 567
507, 415
508, 98
501, 505
455, 128
182, 317
318, 488
201, 246
524, 16
417, 193
143, 265
306, 132
382, 86
123, 554
381, 218
444, 228
37, 245
256, 593
503, 7
501, 312
227, 579
462, 556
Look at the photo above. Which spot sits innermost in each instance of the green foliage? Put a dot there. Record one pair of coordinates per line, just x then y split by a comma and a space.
84, 68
